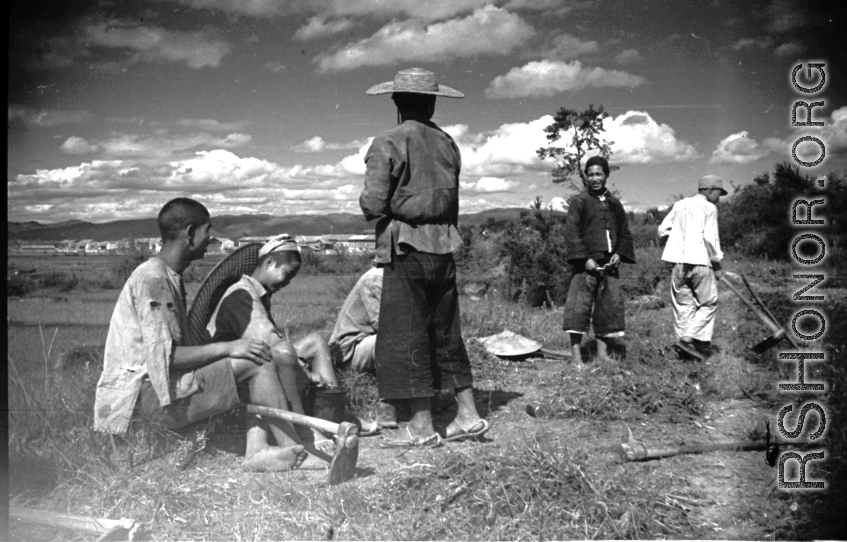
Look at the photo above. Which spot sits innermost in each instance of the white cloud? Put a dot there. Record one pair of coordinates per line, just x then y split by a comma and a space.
250, 8
48, 118
207, 125
790, 48
566, 47
784, 16
508, 150
153, 44
761, 43
638, 139
487, 31
163, 145
274, 66
548, 78
318, 27
740, 148
489, 185
629, 56
429, 10
77, 145
317, 144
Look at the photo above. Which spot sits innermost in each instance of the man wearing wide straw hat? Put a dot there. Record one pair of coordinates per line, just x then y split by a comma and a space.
695, 250
412, 188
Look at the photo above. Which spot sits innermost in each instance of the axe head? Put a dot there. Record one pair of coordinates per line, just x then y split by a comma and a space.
343, 466
772, 340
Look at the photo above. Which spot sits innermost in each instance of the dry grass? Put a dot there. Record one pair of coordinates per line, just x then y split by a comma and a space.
559, 484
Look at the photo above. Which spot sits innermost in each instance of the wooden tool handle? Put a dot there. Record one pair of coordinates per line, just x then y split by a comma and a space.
83, 524
293, 417
767, 321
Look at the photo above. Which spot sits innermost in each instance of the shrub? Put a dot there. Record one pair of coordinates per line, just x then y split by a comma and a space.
59, 281
123, 267
18, 286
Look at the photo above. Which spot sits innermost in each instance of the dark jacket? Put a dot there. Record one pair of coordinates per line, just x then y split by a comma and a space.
585, 230
412, 187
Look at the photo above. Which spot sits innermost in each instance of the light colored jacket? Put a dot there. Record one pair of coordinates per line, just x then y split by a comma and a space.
148, 323
359, 316
692, 226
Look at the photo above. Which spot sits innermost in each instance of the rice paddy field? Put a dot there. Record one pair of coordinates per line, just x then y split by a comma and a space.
539, 478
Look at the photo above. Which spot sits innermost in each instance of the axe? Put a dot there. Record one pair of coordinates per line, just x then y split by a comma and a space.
778, 332
343, 465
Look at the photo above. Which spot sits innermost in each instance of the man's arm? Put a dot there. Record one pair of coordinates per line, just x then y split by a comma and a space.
574, 238
712, 240
375, 199
192, 357
667, 224
624, 248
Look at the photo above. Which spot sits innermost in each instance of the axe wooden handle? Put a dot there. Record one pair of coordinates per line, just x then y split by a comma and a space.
762, 316
83, 524
293, 417
767, 311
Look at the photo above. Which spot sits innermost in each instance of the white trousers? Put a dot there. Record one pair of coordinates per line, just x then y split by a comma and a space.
694, 292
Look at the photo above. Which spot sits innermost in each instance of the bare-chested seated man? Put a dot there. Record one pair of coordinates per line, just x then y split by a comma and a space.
150, 372
245, 312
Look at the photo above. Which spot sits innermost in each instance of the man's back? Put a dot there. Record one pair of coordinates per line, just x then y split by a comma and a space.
691, 224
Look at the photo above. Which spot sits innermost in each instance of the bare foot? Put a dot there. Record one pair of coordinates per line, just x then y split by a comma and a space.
273, 459
312, 462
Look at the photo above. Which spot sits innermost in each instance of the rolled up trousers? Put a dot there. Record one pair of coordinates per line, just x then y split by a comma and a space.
419, 347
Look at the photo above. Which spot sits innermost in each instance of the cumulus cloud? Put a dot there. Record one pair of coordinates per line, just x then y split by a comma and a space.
317, 144
784, 16
488, 30
638, 139
318, 27
429, 10
48, 118
250, 8
790, 48
566, 47
207, 125
740, 148
761, 43
548, 78
274, 66
159, 144
629, 56
154, 44
489, 185
78, 145
507, 150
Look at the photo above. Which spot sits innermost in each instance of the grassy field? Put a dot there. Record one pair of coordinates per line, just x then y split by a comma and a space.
553, 478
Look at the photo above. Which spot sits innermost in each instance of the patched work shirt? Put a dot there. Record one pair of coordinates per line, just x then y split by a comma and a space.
597, 227
243, 312
412, 187
692, 226
359, 316
148, 323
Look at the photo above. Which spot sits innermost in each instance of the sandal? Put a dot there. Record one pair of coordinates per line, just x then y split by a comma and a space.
431, 441
463, 433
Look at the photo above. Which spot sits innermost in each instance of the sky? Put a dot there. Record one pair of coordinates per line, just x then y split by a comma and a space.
259, 106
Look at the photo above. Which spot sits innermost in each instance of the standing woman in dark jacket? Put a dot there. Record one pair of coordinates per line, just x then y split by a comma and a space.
598, 239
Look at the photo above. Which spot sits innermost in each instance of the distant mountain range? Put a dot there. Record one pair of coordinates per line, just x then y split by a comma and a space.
228, 226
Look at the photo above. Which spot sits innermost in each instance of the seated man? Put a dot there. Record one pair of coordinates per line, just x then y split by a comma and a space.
354, 336
150, 372
244, 312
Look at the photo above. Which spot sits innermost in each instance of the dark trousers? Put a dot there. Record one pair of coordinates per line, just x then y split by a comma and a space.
419, 346
594, 300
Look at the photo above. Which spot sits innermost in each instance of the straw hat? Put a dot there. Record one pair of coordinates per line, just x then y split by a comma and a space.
415, 80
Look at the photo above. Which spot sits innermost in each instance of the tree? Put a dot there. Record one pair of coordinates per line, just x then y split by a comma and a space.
583, 131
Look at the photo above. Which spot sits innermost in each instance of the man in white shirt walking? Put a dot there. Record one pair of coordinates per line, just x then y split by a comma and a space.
695, 250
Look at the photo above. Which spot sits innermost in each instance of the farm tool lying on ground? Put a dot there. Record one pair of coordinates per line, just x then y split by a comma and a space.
631, 449
226, 273
511, 345
108, 529
765, 315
